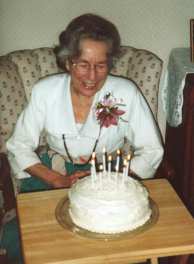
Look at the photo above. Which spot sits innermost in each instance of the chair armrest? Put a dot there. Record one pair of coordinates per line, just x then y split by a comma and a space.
6, 185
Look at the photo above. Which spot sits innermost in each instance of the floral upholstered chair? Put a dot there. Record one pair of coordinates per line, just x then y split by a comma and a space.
20, 70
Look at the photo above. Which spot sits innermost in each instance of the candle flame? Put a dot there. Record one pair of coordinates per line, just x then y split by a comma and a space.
104, 150
116, 168
118, 152
100, 167
125, 162
129, 157
109, 158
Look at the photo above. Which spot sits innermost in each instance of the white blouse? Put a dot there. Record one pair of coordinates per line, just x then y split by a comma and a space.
50, 109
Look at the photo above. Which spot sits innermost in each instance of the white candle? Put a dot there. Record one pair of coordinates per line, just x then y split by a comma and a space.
93, 155
93, 168
109, 166
124, 171
117, 170
118, 160
104, 159
116, 178
92, 173
100, 175
128, 164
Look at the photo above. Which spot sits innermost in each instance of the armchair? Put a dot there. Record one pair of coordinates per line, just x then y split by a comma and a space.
19, 70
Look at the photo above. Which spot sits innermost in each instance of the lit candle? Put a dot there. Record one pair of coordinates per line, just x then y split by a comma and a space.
100, 175
93, 155
124, 171
128, 164
109, 166
93, 168
104, 159
116, 178
92, 173
117, 170
118, 160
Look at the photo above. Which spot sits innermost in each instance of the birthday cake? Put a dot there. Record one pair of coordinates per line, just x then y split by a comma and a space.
109, 204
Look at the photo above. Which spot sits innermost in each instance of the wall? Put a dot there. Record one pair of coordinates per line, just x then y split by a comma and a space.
157, 25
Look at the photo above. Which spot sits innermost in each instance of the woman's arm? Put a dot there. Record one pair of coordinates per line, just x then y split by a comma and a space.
145, 138
54, 178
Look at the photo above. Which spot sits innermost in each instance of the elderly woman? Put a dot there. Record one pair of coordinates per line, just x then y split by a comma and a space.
83, 111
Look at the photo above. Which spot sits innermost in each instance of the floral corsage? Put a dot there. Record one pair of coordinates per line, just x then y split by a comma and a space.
107, 111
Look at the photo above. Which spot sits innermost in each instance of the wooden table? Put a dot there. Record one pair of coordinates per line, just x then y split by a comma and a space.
45, 241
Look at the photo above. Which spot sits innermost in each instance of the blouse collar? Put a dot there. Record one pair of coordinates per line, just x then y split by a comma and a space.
91, 127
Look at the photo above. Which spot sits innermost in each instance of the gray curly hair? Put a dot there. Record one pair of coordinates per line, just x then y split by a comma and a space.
83, 27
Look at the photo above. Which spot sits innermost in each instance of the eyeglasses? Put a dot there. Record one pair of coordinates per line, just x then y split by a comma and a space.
85, 67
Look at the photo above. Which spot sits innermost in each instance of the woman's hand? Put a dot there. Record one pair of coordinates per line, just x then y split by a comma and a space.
64, 180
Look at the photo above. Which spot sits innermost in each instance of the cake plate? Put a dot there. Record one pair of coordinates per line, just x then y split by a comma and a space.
64, 219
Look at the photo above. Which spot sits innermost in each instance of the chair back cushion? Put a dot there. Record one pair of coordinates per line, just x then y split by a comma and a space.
34, 64
144, 68
12, 99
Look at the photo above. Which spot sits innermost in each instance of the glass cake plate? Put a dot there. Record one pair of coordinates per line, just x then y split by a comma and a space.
64, 219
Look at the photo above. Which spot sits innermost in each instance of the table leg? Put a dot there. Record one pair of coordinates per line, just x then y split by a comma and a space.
154, 261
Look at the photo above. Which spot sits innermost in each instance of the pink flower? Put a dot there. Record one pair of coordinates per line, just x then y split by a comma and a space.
107, 111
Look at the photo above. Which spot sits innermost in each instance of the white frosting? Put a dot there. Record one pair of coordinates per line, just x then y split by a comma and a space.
110, 205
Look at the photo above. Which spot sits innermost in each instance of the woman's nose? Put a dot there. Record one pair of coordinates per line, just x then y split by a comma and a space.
92, 72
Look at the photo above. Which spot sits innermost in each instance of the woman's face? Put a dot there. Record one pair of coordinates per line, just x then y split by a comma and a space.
90, 70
